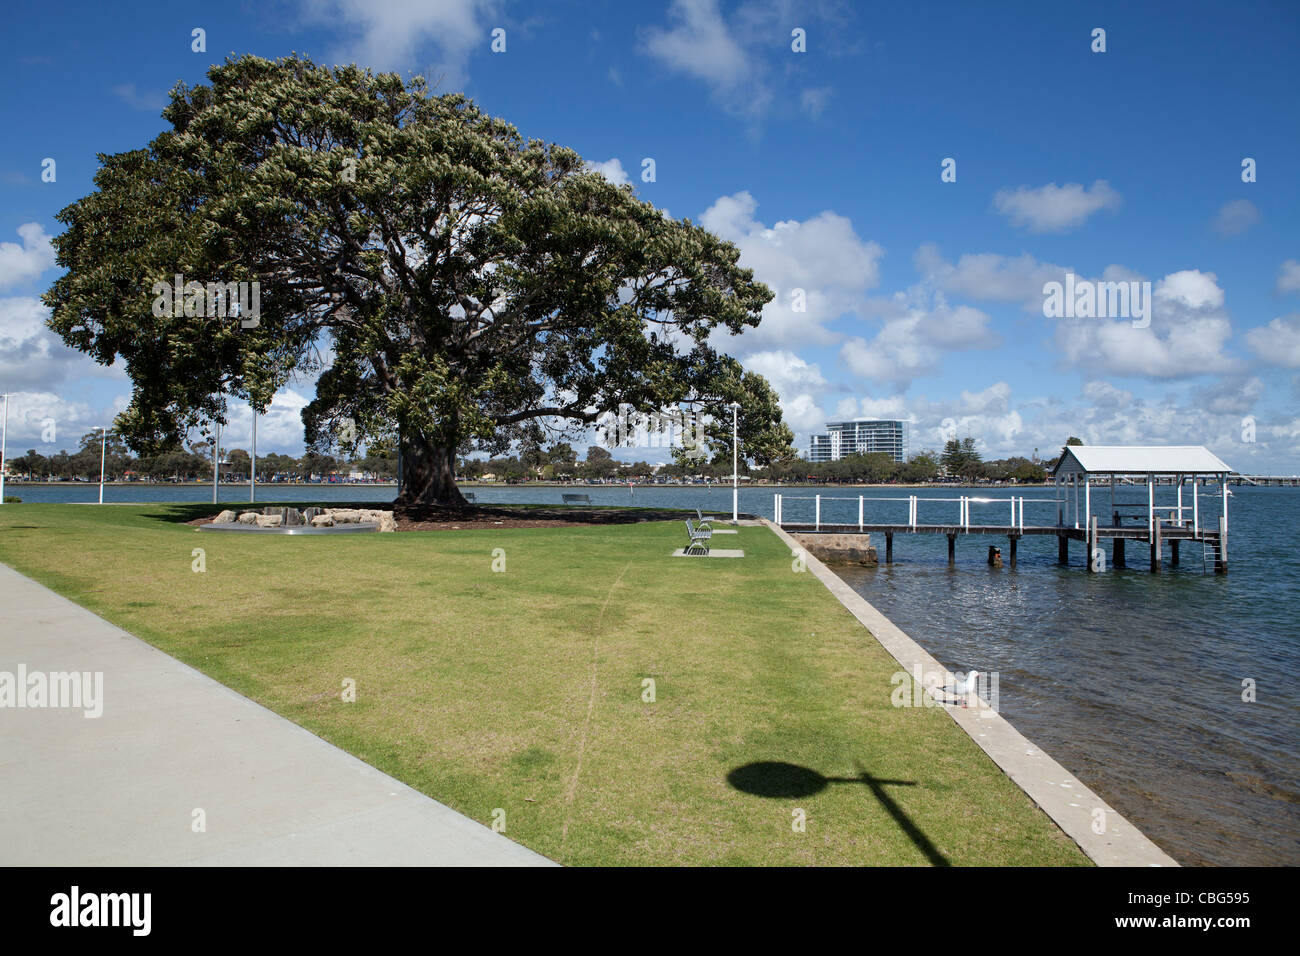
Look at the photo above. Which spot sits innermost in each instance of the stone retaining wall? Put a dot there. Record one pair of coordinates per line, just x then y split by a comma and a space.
837, 548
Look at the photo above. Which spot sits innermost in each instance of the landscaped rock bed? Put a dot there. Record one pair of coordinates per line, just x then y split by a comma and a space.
441, 518
278, 517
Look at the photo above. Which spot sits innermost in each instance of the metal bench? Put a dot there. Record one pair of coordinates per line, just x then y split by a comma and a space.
576, 499
703, 522
699, 539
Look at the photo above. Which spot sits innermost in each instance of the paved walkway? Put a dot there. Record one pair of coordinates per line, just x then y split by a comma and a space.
122, 788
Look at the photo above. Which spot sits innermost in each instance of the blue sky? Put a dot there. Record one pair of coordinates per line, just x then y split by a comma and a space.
924, 298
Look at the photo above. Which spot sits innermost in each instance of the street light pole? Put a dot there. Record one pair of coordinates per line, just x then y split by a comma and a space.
103, 445
4, 436
735, 465
252, 461
216, 458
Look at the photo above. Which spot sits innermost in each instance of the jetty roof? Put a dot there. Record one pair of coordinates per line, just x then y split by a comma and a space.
1141, 460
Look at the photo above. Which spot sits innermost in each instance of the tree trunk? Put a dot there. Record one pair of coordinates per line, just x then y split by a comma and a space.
428, 475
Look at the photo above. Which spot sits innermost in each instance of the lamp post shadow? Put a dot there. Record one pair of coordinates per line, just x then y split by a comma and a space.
778, 780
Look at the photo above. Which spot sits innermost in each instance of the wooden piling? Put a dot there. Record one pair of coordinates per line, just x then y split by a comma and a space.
952, 549
1173, 553
889, 547
1155, 546
1011, 549
1117, 559
1062, 549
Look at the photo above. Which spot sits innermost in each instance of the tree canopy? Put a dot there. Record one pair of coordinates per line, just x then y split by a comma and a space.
446, 281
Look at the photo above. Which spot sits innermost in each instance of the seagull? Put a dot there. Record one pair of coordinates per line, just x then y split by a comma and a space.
964, 688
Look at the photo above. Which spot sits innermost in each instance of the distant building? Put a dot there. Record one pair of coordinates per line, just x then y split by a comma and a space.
862, 436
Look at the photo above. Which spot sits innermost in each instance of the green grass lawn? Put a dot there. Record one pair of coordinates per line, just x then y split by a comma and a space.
522, 690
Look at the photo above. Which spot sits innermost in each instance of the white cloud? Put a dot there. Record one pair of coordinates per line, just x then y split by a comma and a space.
1054, 208
702, 45
1105, 395
1101, 414
1277, 343
744, 56
1231, 395
29, 413
279, 429
1288, 276
803, 415
1236, 217
29, 353
996, 399
889, 406
22, 263
1188, 332
913, 344
989, 277
32, 357
145, 102
787, 372
821, 256
1191, 288
795, 381
611, 169
394, 34
1186, 337
814, 100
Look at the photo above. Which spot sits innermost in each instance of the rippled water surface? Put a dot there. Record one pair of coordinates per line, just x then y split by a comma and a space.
1133, 680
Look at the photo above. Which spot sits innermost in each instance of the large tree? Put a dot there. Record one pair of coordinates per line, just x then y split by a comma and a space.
448, 281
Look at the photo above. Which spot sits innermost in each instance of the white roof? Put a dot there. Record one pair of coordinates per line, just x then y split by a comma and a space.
1142, 460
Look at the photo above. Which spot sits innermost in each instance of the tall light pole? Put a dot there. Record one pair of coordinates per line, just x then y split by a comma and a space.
252, 461
4, 435
216, 458
103, 447
735, 465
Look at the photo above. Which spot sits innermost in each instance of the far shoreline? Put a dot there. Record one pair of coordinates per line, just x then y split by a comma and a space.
19, 482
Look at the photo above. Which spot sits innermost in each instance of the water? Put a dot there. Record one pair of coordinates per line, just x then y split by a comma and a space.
1133, 681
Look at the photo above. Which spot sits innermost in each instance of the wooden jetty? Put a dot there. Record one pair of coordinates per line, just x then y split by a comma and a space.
1079, 512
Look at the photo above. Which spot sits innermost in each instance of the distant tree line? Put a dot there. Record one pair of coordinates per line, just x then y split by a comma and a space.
958, 461
192, 463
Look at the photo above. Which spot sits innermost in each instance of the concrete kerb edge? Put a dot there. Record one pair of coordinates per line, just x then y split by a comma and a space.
1062, 796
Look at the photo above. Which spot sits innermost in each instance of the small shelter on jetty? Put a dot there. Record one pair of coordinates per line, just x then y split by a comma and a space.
1084, 466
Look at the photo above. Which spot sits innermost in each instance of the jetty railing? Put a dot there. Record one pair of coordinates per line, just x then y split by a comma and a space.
939, 510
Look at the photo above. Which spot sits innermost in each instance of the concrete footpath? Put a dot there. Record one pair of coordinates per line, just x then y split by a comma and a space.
126, 788
1099, 829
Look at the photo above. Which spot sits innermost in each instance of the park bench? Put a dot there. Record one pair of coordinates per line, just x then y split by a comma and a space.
699, 539
702, 521
576, 499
